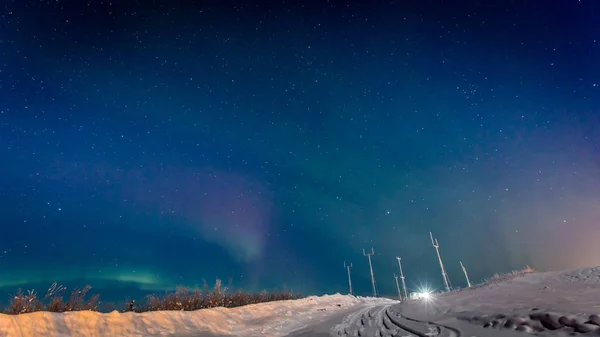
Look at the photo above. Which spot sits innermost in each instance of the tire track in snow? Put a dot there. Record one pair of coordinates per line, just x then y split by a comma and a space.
382, 321
537, 321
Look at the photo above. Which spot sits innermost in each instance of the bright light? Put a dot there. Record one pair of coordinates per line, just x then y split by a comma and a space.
425, 293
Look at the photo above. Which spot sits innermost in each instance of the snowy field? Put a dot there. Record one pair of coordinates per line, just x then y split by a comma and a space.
545, 304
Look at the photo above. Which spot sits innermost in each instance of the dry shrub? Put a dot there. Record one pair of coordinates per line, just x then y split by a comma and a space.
184, 300
22, 303
181, 299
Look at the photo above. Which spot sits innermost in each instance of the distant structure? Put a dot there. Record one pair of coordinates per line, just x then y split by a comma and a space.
402, 278
368, 255
466, 275
436, 245
348, 266
398, 287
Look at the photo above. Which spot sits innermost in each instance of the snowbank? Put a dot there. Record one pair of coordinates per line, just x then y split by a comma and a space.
265, 319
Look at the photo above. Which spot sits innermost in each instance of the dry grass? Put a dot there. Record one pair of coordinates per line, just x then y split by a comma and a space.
497, 278
181, 299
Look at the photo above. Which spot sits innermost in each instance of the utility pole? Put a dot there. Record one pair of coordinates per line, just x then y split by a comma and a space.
398, 287
436, 245
348, 266
402, 278
368, 255
466, 275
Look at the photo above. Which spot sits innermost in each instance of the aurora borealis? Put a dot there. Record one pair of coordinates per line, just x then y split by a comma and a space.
149, 145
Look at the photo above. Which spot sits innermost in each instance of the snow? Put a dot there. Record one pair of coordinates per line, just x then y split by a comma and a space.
548, 304
563, 303
266, 319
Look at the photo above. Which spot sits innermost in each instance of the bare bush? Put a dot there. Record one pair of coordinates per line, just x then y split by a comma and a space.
182, 299
22, 303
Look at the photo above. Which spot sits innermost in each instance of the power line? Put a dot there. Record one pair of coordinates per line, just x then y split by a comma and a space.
348, 266
436, 245
466, 275
368, 255
402, 278
398, 287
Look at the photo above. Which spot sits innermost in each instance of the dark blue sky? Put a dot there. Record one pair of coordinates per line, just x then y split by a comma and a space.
145, 146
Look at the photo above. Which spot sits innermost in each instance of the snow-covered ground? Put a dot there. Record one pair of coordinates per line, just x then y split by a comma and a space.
563, 303
548, 304
266, 319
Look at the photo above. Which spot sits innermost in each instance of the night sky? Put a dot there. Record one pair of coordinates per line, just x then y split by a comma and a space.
149, 144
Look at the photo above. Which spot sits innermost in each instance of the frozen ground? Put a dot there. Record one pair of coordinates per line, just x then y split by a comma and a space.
546, 304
